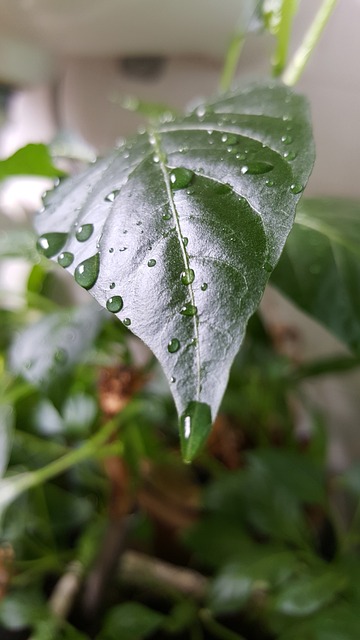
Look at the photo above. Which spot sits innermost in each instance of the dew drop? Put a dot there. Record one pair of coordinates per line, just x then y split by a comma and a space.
185, 241
172, 379
187, 276
112, 286
86, 273
114, 304
188, 309
151, 262
127, 322
122, 249
111, 250
268, 267
286, 139
84, 232
290, 155
204, 286
232, 139
296, 187
112, 195
156, 159
50, 244
195, 424
200, 111
173, 346
166, 216
65, 259
256, 168
181, 178
269, 183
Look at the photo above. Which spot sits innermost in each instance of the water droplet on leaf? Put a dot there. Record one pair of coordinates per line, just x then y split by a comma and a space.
195, 424
86, 273
181, 178
112, 286
112, 195
286, 139
256, 168
50, 244
296, 187
84, 232
173, 346
204, 286
127, 322
188, 276
65, 259
290, 155
188, 309
151, 262
115, 304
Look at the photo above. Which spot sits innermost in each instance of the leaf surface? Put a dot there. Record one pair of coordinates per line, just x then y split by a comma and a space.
320, 266
31, 160
177, 232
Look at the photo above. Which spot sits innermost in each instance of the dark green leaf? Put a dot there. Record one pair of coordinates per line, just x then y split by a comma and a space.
320, 266
47, 349
183, 226
130, 621
32, 160
6, 426
337, 622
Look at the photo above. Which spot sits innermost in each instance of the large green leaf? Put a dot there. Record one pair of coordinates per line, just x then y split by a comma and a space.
177, 232
320, 266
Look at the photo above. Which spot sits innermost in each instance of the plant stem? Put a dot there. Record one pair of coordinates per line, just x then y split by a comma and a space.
288, 10
302, 55
218, 629
231, 60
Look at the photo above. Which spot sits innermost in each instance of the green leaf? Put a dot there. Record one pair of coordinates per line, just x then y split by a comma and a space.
32, 160
309, 593
177, 231
320, 266
21, 608
18, 243
6, 427
130, 621
49, 348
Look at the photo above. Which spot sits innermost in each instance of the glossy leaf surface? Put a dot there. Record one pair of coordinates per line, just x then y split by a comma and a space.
178, 230
320, 267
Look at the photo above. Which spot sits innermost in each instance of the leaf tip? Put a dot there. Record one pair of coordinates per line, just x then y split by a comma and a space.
195, 426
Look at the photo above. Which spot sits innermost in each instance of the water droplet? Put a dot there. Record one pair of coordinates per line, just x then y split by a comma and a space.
232, 139
268, 267
114, 304
188, 309
122, 249
172, 379
50, 244
224, 138
84, 232
166, 216
173, 346
185, 241
111, 250
127, 322
296, 187
86, 273
269, 183
181, 178
151, 262
256, 168
240, 156
112, 195
188, 276
286, 139
290, 155
156, 159
112, 286
139, 223
65, 259
60, 356
195, 424
200, 111
204, 286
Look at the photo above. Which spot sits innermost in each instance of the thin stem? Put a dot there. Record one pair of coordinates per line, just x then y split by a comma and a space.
231, 60
302, 55
288, 10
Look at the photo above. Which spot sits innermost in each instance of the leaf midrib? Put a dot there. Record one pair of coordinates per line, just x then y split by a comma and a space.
163, 167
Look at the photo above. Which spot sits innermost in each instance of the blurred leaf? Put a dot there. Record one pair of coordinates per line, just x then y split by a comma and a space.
263, 570
31, 160
308, 593
22, 608
49, 348
47, 420
319, 269
6, 427
151, 110
130, 621
67, 512
181, 616
19, 243
350, 479
79, 412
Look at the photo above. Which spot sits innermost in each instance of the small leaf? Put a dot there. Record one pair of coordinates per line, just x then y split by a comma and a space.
189, 220
47, 349
130, 621
320, 266
32, 160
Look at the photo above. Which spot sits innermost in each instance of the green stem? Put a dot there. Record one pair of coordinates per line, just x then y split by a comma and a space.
231, 60
216, 628
12, 487
288, 10
302, 55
